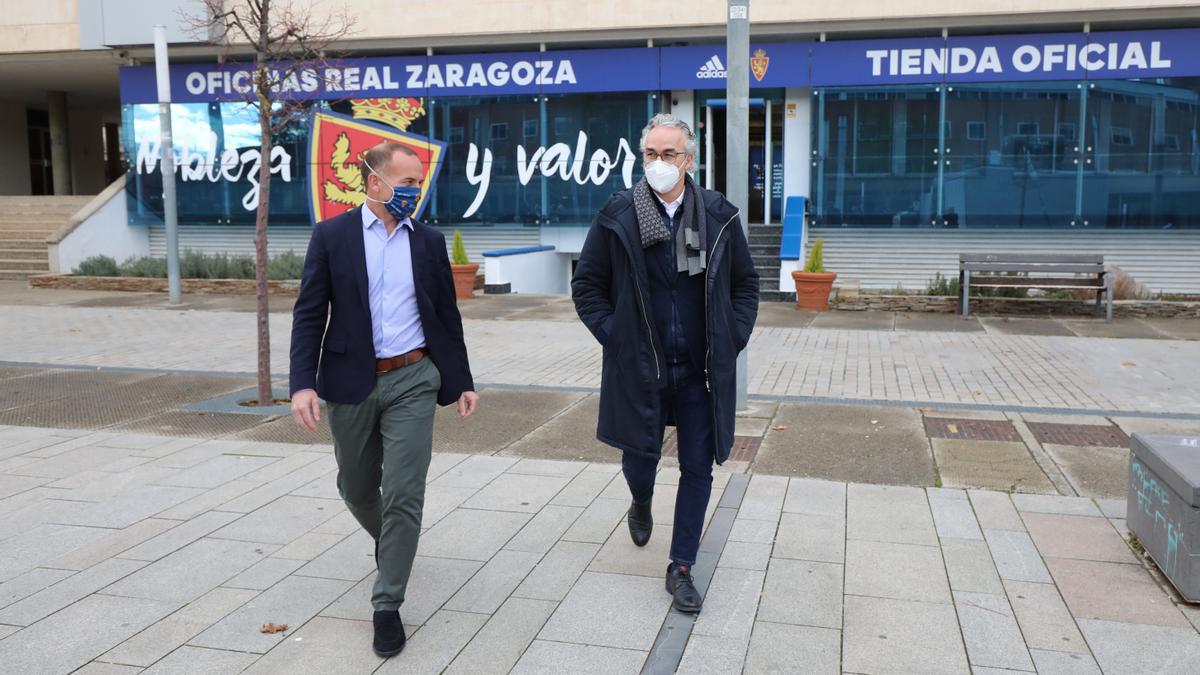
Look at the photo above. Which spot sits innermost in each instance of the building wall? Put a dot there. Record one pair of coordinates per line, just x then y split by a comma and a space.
1164, 261
87, 147
455, 18
14, 145
39, 26
54, 25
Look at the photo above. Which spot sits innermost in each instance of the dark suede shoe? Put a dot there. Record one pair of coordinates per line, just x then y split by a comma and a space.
389, 633
641, 523
682, 587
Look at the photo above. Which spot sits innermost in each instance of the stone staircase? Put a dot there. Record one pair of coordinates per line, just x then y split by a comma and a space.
764, 248
25, 222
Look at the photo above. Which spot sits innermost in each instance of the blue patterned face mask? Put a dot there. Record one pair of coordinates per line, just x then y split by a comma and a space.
403, 203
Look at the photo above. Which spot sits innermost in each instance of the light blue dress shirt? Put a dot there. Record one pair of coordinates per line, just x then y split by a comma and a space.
395, 320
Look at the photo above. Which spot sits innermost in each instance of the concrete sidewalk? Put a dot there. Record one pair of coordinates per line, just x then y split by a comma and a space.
125, 552
864, 524
1046, 373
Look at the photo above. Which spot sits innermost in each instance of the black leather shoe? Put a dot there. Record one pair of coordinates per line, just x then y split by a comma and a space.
641, 522
682, 588
389, 633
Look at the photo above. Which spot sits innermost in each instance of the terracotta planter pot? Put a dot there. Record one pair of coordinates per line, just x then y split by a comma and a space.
464, 280
812, 290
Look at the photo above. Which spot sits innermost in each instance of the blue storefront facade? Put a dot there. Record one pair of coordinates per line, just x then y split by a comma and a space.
1059, 140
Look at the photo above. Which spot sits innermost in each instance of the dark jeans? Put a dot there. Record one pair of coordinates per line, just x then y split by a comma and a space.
687, 398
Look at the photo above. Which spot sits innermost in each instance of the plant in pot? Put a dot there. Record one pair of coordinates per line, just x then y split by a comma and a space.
813, 283
463, 269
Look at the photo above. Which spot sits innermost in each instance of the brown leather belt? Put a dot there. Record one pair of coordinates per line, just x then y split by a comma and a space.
400, 360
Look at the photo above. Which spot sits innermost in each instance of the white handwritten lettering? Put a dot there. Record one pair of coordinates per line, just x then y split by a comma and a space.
195, 164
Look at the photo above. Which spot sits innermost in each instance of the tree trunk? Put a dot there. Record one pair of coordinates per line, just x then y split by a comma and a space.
265, 395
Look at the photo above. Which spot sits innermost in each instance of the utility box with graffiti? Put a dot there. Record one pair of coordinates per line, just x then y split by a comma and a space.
1164, 506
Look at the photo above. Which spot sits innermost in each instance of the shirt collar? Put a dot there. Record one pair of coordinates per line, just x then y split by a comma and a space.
369, 218
678, 200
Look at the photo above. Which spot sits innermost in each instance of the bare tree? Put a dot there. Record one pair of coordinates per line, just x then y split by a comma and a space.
286, 42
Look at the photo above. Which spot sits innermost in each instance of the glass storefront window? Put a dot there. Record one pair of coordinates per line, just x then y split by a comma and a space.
479, 182
1100, 154
875, 156
1141, 154
597, 148
1010, 153
509, 161
216, 147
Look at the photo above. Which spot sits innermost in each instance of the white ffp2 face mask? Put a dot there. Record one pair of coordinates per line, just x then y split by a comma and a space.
661, 176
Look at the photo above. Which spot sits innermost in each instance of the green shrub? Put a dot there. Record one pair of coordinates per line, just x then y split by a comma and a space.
458, 252
194, 265
98, 266
816, 258
145, 266
285, 266
942, 286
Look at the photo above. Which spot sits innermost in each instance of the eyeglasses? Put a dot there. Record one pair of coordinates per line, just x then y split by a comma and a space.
669, 156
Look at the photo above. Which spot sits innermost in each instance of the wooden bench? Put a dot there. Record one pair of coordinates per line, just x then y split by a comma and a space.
994, 270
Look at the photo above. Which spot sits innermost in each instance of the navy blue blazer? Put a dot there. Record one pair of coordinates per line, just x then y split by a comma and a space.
338, 360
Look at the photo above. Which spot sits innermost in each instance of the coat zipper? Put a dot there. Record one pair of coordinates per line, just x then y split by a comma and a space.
707, 324
649, 330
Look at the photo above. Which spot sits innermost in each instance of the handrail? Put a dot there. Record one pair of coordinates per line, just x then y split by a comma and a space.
793, 228
88, 210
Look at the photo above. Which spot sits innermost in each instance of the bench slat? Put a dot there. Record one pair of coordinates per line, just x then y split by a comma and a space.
1077, 258
1022, 267
1029, 282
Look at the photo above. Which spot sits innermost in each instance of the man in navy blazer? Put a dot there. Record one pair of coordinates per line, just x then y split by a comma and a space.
377, 334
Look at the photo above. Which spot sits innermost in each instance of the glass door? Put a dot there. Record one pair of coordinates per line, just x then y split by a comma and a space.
765, 155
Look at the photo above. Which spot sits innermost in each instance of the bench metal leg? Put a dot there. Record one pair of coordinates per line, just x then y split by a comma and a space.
1108, 293
965, 288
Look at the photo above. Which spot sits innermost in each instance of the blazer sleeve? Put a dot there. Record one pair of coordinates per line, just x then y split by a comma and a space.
451, 318
743, 283
310, 314
591, 287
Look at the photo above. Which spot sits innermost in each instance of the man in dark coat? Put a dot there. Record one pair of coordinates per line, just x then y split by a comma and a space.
377, 334
666, 283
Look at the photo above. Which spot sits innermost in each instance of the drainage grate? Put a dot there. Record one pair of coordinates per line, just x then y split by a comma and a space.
745, 448
285, 430
187, 423
971, 430
1099, 435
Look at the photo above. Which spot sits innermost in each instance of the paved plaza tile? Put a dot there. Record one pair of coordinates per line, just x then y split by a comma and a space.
852, 543
1087, 373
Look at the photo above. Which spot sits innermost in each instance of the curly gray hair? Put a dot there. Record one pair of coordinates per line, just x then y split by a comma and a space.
669, 120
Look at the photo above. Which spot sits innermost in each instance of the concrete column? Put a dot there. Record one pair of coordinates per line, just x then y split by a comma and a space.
797, 162
797, 142
683, 106
60, 150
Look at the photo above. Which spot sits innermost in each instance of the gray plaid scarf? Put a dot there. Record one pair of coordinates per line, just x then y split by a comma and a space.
691, 249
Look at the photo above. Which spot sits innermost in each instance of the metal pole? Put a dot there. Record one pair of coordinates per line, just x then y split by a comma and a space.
166, 165
767, 159
737, 133
710, 165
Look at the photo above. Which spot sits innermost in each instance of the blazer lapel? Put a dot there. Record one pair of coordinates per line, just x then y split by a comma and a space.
358, 252
420, 261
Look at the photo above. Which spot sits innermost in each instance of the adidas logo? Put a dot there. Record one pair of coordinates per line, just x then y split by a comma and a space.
712, 69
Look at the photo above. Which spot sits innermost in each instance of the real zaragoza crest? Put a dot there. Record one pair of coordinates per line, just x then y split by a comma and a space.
759, 63
336, 144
